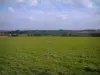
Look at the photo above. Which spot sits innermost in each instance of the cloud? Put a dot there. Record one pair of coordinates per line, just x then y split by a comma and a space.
80, 3
62, 16
90, 4
20, 1
28, 2
50, 14
50, 20
11, 9
31, 18
33, 2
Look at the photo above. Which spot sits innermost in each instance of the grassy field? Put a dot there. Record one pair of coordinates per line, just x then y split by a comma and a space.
49, 56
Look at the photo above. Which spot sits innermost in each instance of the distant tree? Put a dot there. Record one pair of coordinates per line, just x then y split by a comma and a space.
14, 35
28, 34
63, 34
37, 34
95, 34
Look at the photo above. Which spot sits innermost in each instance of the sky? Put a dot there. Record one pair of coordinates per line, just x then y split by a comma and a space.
49, 14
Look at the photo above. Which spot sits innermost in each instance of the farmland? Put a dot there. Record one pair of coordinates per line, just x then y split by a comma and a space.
49, 55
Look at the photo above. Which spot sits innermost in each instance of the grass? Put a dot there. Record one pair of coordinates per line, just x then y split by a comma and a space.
49, 56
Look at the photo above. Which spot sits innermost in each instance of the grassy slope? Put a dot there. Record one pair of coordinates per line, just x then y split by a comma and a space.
49, 56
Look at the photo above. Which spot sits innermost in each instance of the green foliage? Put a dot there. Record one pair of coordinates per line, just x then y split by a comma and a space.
50, 56
74, 33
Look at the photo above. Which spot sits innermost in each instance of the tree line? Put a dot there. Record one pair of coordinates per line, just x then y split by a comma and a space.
16, 33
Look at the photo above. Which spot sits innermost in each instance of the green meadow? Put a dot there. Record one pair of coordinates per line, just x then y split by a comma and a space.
49, 56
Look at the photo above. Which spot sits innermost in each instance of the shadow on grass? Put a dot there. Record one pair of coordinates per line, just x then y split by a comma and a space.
91, 69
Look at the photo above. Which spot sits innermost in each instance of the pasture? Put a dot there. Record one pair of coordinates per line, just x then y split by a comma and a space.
49, 56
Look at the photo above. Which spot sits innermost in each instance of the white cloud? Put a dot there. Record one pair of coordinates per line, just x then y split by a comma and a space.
89, 4
80, 3
30, 18
33, 2
77, 3
28, 2
54, 19
55, 3
11, 9
51, 20
20, 1
62, 16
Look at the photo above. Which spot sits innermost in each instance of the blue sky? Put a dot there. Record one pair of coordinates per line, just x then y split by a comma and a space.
49, 14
